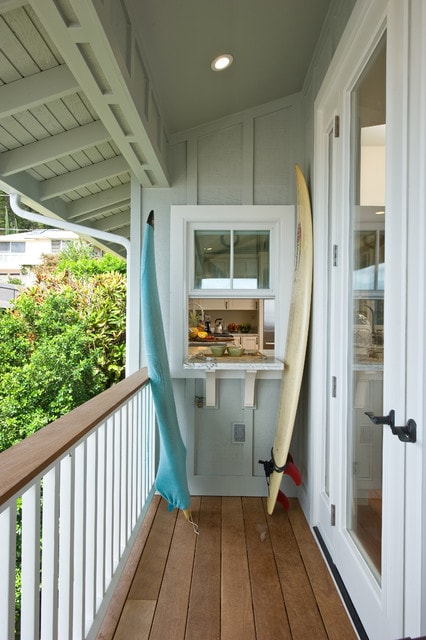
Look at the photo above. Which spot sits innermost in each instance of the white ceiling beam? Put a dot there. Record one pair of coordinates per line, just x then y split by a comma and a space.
85, 46
112, 222
100, 211
8, 5
123, 231
53, 147
28, 187
37, 89
108, 198
82, 177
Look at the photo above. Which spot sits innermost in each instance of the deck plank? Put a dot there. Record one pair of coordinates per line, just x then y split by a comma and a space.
149, 574
237, 622
305, 621
335, 618
204, 603
172, 605
269, 609
120, 595
247, 576
135, 622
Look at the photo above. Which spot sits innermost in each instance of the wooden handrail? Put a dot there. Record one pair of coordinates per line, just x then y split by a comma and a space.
25, 460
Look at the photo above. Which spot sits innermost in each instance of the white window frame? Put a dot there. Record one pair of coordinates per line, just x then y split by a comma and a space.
229, 292
278, 219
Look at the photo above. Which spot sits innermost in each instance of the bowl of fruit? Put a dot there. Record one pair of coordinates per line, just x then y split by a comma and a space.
233, 327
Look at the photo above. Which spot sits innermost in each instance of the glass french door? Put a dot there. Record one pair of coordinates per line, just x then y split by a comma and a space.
360, 503
366, 288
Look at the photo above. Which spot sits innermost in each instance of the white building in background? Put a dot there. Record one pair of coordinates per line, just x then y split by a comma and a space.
21, 250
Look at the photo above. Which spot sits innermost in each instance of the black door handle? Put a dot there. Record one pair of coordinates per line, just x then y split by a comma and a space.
405, 434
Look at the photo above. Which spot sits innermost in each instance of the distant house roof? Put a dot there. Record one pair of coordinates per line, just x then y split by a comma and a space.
39, 234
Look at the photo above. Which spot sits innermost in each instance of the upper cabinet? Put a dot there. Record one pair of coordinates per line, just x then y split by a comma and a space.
228, 304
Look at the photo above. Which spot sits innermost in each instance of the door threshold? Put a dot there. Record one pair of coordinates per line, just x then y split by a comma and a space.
341, 586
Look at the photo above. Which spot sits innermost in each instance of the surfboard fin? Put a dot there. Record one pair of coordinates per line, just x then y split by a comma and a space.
282, 499
293, 471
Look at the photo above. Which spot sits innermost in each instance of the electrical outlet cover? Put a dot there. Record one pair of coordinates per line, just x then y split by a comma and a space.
238, 433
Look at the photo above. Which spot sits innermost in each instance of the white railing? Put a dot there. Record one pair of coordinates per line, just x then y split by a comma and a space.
72, 498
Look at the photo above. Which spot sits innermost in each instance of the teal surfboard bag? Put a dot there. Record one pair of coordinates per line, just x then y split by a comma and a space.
171, 479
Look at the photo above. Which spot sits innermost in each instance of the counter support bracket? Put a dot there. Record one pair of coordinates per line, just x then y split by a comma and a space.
211, 400
249, 386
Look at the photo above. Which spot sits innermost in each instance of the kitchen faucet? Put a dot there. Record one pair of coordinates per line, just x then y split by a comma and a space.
192, 303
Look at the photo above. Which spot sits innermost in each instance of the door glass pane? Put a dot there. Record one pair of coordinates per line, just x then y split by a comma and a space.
366, 318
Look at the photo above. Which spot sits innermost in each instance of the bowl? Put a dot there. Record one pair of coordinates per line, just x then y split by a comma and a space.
217, 349
234, 350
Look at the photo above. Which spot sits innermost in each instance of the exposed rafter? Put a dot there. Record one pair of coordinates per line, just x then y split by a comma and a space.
56, 146
116, 221
104, 201
82, 177
36, 89
90, 215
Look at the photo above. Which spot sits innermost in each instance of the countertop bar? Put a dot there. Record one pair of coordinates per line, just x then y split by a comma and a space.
247, 366
199, 358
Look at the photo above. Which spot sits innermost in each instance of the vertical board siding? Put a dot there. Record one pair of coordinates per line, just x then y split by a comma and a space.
220, 161
273, 168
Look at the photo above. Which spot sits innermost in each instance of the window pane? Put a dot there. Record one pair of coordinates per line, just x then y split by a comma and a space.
251, 260
5, 247
212, 259
231, 259
18, 247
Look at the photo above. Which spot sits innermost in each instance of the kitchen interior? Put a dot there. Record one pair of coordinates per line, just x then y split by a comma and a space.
230, 325
246, 323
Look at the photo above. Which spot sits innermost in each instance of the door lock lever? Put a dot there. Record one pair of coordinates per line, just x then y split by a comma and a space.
405, 434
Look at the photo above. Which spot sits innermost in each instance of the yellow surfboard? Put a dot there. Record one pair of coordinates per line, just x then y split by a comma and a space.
297, 337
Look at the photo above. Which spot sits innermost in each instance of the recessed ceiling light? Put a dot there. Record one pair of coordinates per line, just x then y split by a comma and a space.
222, 62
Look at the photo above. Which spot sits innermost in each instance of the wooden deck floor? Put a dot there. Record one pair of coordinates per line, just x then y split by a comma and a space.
246, 576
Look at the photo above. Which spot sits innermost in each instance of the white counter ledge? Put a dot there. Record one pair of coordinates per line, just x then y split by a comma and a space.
245, 366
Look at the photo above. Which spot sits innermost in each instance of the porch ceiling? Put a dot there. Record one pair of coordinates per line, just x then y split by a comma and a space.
81, 111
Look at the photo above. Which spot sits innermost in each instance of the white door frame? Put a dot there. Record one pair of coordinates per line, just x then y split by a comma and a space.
408, 164
393, 613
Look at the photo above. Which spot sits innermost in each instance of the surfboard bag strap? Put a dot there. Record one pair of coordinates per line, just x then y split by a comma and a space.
269, 465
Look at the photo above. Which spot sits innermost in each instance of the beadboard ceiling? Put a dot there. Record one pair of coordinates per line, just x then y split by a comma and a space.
76, 120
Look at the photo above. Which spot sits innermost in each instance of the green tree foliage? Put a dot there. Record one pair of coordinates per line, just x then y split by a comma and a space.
61, 343
79, 259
